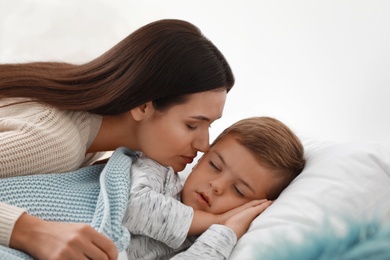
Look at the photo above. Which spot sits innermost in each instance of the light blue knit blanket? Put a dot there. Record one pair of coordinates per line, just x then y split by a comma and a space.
96, 194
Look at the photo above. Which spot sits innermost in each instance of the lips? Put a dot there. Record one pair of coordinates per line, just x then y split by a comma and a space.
204, 198
188, 159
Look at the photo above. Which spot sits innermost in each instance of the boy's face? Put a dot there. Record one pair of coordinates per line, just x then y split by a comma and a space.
227, 176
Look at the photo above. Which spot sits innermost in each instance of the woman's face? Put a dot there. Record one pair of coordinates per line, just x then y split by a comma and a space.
174, 137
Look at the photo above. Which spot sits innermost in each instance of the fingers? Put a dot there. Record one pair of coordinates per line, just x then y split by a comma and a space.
106, 245
253, 203
240, 222
225, 216
56, 240
92, 244
94, 252
255, 210
256, 202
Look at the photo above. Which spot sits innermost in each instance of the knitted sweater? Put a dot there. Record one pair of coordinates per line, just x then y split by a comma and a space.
37, 138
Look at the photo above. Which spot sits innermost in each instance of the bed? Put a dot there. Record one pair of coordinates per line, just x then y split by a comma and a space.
338, 206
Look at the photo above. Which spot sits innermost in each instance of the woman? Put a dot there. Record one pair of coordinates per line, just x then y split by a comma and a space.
157, 91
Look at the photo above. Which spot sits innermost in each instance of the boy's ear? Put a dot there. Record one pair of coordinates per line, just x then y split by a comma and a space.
143, 111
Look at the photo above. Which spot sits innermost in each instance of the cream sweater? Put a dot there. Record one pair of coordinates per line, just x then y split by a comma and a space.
36, 139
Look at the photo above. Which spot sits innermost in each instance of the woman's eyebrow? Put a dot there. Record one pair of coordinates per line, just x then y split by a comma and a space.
201, 118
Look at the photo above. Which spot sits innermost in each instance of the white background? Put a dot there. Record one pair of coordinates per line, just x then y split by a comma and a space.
322, 67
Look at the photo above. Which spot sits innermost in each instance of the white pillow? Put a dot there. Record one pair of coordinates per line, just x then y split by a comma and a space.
340, 179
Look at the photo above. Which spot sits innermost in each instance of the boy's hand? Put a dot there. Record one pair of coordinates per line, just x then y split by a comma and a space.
244, 215
225, 216
203, 220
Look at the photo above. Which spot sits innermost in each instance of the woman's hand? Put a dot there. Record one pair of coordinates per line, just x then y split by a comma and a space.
244, 215
55, 240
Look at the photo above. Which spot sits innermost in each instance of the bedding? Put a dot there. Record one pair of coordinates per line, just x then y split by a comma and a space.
342, 183
97, 195
341, 195
358, 240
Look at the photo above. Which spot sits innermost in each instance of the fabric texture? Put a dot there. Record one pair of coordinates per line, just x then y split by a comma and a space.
149, 208
359, 240
8, 216
97, 195
35, 139
216, 243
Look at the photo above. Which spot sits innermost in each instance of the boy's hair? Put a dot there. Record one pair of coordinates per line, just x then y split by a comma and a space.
274, 145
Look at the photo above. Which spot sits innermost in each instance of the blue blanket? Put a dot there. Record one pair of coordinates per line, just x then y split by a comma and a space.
97, 195
360, 240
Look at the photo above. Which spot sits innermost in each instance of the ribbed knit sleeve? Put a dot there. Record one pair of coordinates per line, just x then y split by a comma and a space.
8, 216
35, 139
216, 243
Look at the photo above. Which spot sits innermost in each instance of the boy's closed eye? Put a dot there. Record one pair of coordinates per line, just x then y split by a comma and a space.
238, 191
214, 166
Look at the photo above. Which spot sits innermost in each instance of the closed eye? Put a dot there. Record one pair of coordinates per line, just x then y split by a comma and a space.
214, 166
192, 127
237, 191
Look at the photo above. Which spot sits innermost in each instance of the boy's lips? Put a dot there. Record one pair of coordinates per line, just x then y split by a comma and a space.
203, 198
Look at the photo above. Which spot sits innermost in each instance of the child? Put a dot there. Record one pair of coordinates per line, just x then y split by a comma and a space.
246, 167
254, 159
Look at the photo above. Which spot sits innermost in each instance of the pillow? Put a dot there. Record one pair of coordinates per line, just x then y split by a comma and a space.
340, 181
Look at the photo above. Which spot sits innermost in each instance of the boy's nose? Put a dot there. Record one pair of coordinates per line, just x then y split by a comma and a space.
216, 187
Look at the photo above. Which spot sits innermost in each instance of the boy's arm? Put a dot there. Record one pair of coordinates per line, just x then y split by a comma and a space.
154, 209
216, 243
219, 240
202, 221
162, 218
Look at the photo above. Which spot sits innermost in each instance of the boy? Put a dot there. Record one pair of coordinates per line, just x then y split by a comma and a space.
254, 159
246, 167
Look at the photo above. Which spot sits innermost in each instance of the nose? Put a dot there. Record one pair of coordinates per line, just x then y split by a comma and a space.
201, 142
216, 186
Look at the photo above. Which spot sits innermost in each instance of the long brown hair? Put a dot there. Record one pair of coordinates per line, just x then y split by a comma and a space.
274, 145
163, 62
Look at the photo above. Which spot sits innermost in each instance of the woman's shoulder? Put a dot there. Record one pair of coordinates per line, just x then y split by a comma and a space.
18, 106
26, 111
44, 138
